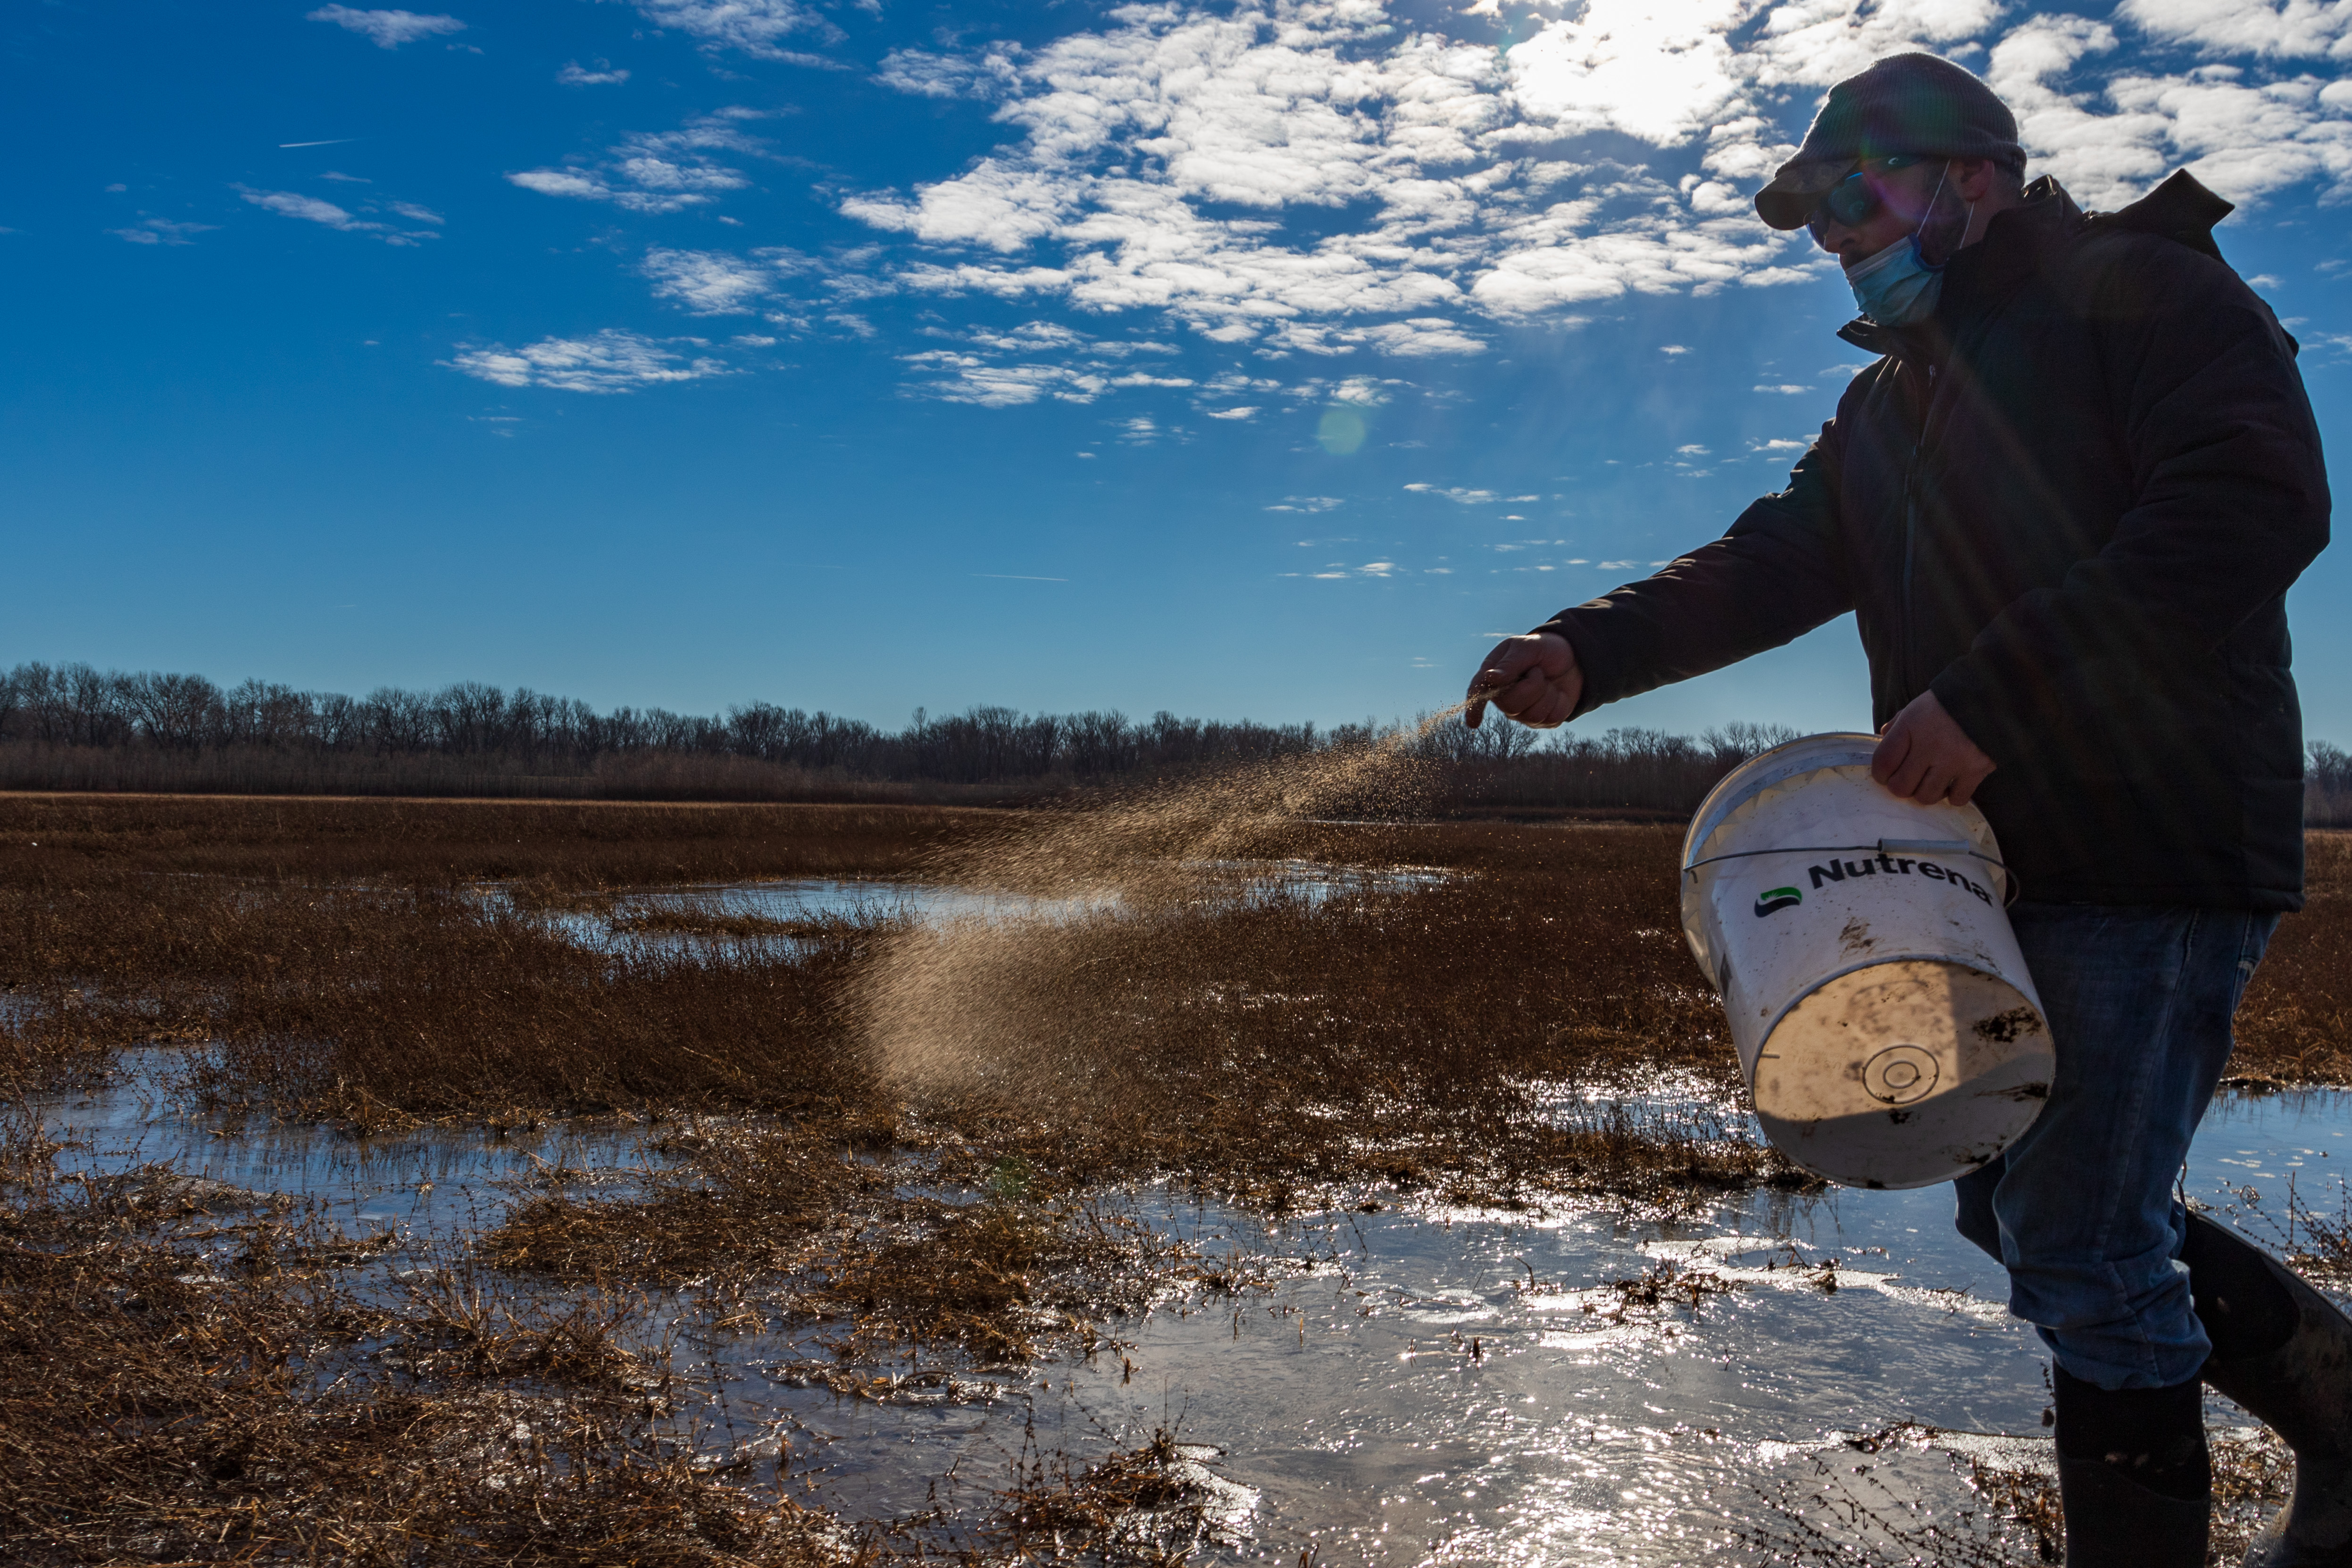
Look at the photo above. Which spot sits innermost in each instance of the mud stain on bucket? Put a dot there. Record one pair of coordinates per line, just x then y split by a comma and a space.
2003, 1028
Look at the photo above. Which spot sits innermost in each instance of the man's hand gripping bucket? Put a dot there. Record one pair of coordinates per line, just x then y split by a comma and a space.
1890, 1033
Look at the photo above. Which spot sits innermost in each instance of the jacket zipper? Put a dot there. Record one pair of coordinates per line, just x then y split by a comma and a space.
1911, 542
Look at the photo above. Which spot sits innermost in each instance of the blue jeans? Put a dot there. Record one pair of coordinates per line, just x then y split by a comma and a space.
2080, 1210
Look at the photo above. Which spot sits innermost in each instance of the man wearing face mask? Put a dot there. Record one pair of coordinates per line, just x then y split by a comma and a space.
2065, 505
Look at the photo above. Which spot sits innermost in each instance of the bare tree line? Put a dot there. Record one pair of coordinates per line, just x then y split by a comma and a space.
75, 727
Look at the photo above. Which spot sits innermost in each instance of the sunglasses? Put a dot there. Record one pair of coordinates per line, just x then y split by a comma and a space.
1852, 199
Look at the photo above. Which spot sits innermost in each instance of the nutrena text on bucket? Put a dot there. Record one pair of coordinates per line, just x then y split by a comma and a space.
1837, 871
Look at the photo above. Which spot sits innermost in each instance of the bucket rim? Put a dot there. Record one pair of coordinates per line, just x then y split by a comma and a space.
1735, 786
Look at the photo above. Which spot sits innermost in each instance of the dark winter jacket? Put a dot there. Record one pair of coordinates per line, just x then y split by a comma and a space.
2070, 505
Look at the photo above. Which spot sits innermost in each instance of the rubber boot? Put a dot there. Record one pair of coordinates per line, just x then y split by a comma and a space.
2133, 1474
2284, 1351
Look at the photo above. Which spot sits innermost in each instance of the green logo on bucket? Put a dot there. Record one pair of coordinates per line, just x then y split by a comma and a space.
1779, 898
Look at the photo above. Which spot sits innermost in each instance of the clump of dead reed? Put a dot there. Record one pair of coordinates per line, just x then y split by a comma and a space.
744, 1202
1155, 1503
176, 1388
903, 1251
995, 1281
2312, 1232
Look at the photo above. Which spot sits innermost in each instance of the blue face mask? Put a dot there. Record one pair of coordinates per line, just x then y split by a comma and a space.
1896, 288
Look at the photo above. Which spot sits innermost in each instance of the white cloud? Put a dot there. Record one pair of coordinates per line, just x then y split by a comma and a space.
1812, 43
163, 231
1341, 571
1458, 495
1322, 178
966, 378
1245, 411
757, 27
313, 209
564, 182
1421, 337
1789, 387
1361, 391
988, 75
1086, 369
387, 29
1310, 503
1032, 337
1658, 70
995, 206
658, 172
2246, 136
575, 74
2274, 29
1135, 137
611, 361
293, 203
706, 282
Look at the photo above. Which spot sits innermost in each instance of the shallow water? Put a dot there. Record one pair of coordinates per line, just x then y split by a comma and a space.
806, 899
1417, 1384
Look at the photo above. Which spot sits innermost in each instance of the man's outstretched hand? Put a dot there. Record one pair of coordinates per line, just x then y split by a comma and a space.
1532, 678
1924, 756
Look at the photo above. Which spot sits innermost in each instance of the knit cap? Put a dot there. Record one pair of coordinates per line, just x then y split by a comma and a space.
1906, 103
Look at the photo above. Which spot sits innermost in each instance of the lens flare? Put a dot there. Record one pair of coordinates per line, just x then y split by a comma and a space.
1342, 430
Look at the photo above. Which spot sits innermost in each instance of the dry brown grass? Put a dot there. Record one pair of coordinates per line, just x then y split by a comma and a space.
158, 1403
1393, 1035
2296, 1023
374, 1005
1399, 1036
444, 843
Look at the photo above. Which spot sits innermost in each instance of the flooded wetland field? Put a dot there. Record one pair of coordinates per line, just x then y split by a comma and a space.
1223, 1173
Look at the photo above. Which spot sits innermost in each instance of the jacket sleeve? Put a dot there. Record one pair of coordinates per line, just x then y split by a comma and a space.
1777, 575
2231, 495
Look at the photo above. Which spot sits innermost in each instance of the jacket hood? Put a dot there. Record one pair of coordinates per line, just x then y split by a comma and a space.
2020, 240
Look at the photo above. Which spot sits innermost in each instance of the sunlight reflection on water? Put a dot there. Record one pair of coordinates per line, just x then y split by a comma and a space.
1422, 1384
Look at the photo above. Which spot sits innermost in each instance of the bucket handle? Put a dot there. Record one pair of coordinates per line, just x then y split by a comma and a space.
1884, 847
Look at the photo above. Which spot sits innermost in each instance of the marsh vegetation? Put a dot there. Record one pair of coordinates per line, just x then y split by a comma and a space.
911, 1145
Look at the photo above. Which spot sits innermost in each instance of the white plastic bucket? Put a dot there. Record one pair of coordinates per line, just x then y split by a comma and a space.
1882, 1010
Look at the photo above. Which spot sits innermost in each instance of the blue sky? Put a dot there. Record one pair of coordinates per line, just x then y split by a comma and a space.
1239, 361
